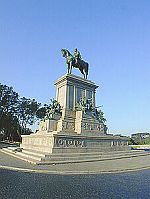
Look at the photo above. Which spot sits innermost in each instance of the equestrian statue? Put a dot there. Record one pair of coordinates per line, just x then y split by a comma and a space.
75, 61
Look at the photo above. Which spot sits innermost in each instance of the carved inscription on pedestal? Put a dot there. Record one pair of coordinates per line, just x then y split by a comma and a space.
62, 142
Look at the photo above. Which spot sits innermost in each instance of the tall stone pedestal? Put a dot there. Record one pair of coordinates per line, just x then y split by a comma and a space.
74, 130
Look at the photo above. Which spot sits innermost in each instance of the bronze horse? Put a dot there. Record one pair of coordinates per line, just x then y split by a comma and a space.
71, 62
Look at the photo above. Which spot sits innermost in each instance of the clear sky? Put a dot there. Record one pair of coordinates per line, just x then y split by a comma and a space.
113, 36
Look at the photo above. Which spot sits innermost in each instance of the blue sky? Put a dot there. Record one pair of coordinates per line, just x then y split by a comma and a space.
113, 36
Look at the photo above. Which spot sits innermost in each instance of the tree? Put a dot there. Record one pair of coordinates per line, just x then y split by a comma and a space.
27, 110
8, 100
8, 110
41, 112
16, 113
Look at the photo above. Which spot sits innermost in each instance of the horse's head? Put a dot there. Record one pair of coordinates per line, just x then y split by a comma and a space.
64, 52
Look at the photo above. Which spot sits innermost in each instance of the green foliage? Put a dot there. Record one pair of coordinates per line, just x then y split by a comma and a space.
139, 140
132, 141
16, 113
27, 109
8, 110
41, 112
8, 100
145, 141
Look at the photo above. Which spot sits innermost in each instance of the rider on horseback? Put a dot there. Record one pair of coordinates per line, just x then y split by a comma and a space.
77, 55
75, 61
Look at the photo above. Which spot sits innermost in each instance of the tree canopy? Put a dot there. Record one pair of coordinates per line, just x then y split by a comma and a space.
16, 113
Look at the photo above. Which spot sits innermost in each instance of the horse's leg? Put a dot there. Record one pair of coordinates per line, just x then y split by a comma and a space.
70, 67
86, 76
86, 71
81, 70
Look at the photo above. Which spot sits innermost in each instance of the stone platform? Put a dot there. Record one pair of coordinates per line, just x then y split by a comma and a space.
76, 129
55, 143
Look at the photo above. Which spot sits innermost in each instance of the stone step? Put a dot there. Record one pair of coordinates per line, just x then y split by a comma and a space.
92, 154
18, 155
23, 156
88, 159
33, 153
89, 155
52, 157
36, 157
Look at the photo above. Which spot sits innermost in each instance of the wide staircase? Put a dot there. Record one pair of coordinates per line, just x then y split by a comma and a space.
36, 157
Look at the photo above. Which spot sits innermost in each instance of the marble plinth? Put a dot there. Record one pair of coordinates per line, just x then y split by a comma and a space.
74, 131
55, 143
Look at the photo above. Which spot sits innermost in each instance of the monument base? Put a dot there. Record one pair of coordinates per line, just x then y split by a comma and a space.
77, 129
63, 143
